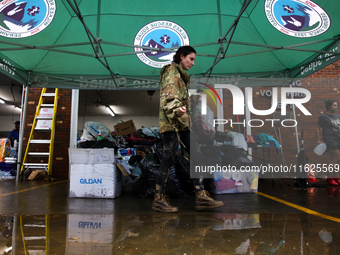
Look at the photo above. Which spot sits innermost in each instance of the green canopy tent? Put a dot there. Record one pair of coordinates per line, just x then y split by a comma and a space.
105, 44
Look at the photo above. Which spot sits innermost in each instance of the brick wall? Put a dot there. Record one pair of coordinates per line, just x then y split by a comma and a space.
60, 165
323, 85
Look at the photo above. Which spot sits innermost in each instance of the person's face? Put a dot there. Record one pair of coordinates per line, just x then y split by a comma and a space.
17, 126
334, 107
188, 61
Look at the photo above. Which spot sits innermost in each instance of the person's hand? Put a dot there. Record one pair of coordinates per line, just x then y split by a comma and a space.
182, 110
320, 141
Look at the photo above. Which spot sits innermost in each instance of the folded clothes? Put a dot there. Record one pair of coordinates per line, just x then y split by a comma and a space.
224, 184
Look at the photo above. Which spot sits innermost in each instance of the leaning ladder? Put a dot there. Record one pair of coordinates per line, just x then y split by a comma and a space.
41, 123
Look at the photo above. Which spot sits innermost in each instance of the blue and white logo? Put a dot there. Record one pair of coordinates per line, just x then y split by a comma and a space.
298, 18
91, 181
23, 18
162, 35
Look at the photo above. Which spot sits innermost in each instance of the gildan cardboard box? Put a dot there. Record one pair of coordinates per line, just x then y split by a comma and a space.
95, 181
125, 128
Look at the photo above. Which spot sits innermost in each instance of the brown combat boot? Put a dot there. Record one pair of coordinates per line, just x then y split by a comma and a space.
161, 204
204, 201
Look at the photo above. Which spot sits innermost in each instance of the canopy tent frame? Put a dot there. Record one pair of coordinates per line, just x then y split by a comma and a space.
271, 48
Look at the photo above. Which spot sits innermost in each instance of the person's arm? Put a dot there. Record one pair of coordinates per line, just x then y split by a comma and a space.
10, 136
318, 135
170, 101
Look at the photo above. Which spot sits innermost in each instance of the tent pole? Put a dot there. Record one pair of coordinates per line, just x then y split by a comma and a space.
243, 8
220, 50
248, 117
220, 24
74, 118
295, 128
294, 116
74, 122
220, 112
21, 46
98, 18
98, 24
22, 128
219, 16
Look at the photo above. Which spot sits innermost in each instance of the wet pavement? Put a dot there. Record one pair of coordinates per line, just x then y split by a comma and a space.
38, 217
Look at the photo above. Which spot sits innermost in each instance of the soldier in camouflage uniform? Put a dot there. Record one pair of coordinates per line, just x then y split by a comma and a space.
174, 123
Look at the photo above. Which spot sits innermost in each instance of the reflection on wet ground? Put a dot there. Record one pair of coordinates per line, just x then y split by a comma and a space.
40, 218
157, 233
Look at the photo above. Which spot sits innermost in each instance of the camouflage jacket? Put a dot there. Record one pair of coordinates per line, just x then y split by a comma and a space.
173, 95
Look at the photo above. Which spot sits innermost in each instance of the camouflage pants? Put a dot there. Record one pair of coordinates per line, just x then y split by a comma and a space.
169, 155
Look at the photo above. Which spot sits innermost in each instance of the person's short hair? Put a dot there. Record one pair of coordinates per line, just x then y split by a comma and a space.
17, 122
185, 50
329, 103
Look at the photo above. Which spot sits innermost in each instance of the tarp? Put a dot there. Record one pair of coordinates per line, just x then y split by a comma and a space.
107, 44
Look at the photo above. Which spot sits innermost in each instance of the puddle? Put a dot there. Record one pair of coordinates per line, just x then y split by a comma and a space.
157, 233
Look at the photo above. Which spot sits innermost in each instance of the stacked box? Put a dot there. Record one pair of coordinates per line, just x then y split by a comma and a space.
94, 174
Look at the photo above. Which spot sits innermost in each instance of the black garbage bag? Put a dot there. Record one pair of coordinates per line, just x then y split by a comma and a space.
212, 155
230, 154
235, 157
149, 167
222, 137
98, 144
301, 175
135, 159
302, 161
242, 160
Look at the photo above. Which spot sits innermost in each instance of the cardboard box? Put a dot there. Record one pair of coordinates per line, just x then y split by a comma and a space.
91, 156
95, 181
125, 128
37, 175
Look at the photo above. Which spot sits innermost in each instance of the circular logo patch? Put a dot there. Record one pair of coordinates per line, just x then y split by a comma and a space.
20, 18
162, 35
298, 18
